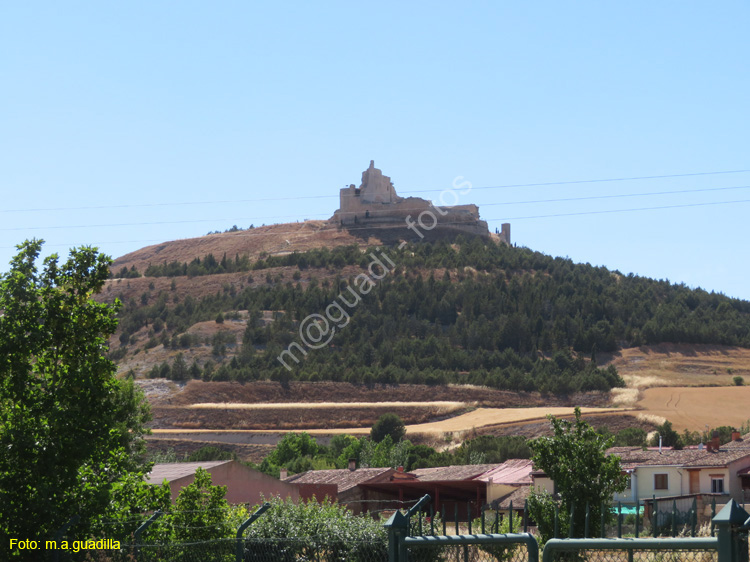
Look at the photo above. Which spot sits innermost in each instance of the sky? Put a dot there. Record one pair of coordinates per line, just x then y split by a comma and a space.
128, 124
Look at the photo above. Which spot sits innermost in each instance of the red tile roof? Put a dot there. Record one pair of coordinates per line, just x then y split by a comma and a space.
511, 472
635, 456
343, 478
457, 472
170, 471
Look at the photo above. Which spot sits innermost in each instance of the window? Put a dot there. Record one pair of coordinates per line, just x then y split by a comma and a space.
629, 483
661, 481
717, 485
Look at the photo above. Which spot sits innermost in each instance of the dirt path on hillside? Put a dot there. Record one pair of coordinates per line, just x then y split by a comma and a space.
481, 417
694, 408
327, 405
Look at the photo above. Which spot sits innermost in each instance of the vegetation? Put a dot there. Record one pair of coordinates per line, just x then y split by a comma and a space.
335, 530
70, 432
200, 513
388, 425
574, 458
472, 312
298, 452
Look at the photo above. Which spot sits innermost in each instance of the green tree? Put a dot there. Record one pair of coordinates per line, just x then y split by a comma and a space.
584, 475
70, 431
179, 371
669, 437
388, 424
200, 513
630, 436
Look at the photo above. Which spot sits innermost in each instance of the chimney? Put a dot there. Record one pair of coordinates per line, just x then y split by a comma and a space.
735, 435
352, 464
400, 469
715, 441
660, 444
283, 473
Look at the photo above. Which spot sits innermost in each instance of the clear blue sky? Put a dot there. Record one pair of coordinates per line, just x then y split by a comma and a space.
190, 112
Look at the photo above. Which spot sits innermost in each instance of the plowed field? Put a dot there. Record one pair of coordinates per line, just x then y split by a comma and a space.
693, 408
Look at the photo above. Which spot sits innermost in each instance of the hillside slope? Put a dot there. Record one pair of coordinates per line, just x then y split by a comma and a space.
463, 310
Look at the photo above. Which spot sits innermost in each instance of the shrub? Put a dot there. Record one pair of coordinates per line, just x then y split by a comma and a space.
307, 530
388, 424
738, 380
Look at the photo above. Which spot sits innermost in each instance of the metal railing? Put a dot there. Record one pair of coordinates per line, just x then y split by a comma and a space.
730, 544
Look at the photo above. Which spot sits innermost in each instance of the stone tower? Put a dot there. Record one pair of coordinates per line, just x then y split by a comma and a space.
377, 188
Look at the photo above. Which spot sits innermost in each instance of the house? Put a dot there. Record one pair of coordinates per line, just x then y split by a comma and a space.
358, 488
509, 485
244, 485
459, 490
705, 474
455, 490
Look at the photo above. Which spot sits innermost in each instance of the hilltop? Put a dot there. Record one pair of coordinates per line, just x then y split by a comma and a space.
273, 240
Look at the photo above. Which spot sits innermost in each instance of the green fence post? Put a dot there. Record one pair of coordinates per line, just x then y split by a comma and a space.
557, 522
728, 522
603, 521
239, 551
619, 520
637, 515
510, 517
397, 527
694, 517
586, 522
140, 530
713, 514
572, 520
525, 517
654, 517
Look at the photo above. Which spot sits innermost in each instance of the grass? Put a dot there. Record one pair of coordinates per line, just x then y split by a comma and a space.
680, 365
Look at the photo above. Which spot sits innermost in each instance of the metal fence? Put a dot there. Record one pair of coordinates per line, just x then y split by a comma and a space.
413, 538
729, 545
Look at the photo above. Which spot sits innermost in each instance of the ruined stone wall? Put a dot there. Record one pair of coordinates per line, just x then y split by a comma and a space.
375, 204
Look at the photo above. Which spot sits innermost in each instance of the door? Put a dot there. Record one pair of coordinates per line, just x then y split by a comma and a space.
695, 486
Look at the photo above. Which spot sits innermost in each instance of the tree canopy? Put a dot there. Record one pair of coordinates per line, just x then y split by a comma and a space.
575, 458
388, 424
70, 431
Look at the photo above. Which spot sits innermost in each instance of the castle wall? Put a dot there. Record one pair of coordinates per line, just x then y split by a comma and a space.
375, 204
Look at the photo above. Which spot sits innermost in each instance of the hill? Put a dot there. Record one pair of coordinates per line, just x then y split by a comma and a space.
462, 309
276, 239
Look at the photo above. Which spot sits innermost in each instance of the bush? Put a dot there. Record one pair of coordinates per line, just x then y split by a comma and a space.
209, 453
388, 424
738, 380
306, 530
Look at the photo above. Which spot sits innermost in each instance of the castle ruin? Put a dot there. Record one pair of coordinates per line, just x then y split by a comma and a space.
375, 204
